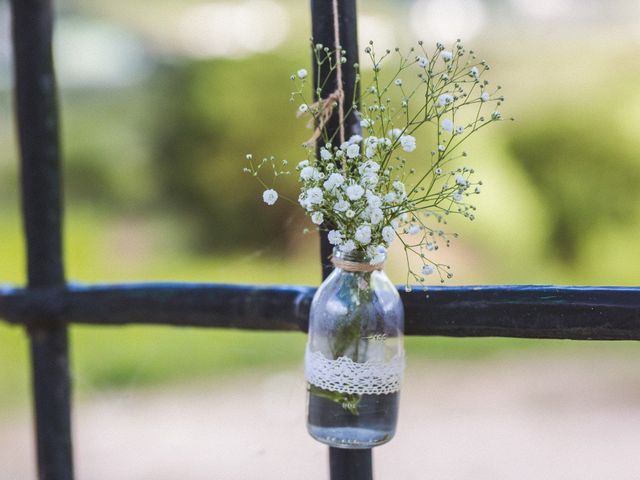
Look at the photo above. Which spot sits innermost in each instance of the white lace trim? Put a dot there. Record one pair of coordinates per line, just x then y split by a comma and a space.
346, 376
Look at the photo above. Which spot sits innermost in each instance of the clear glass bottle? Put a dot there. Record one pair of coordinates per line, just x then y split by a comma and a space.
355, 355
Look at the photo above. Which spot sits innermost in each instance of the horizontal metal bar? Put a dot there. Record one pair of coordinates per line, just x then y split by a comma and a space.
598, 313
199, 305
526, 311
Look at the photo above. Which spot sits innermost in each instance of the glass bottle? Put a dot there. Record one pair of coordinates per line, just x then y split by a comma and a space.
355, 355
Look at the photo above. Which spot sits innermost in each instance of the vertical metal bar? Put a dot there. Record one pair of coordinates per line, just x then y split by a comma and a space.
343, 464
350, 464
52, 395
323, 32
37, 121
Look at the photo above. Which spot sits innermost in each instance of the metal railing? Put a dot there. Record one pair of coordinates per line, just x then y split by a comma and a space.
47, 305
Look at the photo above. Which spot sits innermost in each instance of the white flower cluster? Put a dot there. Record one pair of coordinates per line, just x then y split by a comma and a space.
373, 188
347, 187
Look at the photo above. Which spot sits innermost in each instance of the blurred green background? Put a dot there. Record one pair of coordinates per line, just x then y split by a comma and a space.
161, 100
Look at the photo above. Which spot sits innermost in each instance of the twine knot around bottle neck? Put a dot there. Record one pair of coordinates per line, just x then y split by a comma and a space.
355, 267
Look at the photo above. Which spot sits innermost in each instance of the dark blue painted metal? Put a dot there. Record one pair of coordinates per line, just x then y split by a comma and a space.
37, 121
582, 313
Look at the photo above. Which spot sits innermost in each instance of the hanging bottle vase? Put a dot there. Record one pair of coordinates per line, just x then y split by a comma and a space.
354, 359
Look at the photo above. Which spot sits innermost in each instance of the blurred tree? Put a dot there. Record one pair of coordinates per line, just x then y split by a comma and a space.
105, 134
586, 170
212, 114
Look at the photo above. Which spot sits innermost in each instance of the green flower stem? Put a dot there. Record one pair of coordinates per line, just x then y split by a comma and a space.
349, 334
348, 401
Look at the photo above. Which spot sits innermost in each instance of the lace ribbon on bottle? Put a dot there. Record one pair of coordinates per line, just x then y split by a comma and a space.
346, 376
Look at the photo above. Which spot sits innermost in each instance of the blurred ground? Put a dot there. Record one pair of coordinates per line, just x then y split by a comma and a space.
556, 417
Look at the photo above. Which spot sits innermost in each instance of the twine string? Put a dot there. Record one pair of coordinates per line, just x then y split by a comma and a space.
324, 106
339, 89
349, 266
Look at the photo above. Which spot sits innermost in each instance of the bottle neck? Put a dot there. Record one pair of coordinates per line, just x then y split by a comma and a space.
356, 261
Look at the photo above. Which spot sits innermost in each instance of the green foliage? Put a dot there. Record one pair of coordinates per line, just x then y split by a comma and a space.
215, 112
103, 135
585, 170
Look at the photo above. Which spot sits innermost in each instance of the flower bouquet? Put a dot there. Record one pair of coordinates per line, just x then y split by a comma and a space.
366, 192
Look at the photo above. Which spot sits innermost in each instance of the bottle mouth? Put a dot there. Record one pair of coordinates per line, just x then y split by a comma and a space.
357, 261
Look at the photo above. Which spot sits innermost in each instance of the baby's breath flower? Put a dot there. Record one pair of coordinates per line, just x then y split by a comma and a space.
398, 81
446, 55
399, 186
428, 269
390, 197
473, 72
447, 125
334, 181
354, 192
423, 62
374, 201
408, 143
270, 196
317, 218
302, 73
485, 96
413, 229
348, 246
369, 167
370, 151
375, 215
378, 254
303, 107
363, 235
445, 99
314, 196
341, 206
496, 116
365, 123
394, 133
325, 154
369, 180
334, 237
309, 173
388, 234
353, 151
459, 129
